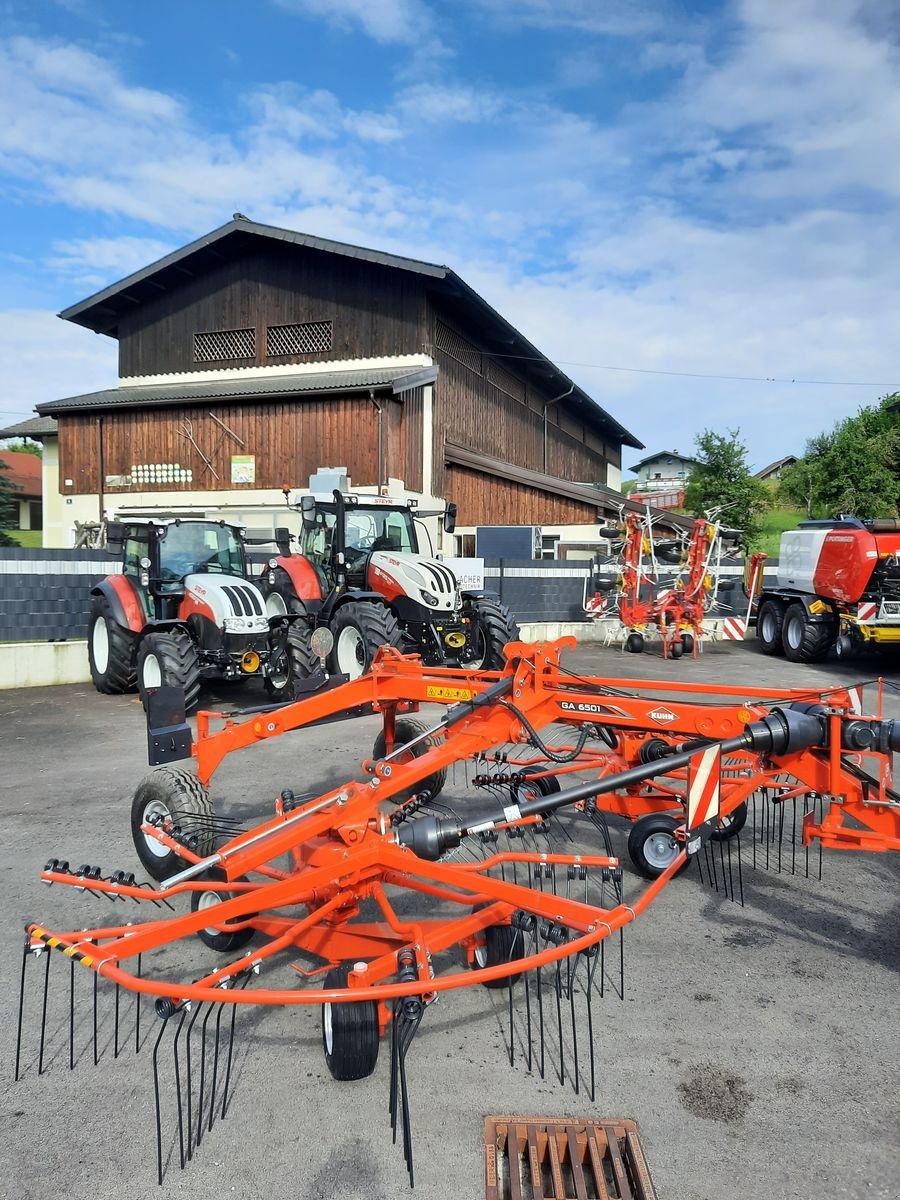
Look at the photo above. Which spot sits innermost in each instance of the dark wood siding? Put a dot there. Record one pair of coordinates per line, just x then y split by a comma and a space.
493, 411
289, 439
485, 500
374, 310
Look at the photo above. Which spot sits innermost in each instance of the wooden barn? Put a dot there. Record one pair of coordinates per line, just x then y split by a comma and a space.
254, 355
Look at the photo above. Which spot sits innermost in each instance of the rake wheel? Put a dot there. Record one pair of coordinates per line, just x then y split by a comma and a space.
405, 729
222, 940
170, 792
652, 846
350, 1035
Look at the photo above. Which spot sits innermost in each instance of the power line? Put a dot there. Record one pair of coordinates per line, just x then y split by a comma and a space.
692, 374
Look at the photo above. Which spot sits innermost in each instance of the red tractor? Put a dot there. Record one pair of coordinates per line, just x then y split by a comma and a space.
183, 609
838, 588
361, 575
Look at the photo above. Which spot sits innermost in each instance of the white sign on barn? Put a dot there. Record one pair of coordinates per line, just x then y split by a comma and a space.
469, 572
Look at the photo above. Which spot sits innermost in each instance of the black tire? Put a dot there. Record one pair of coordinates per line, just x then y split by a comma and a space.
634, 643
651, 844
280, 597
110, 651
687, 643
502, 944
169, 660
405, 729
676, 650
223, 941
731, 826
360, 629
531, 789
350, 1034
292, 662
177, 793
494, 627
769, 625
805, 640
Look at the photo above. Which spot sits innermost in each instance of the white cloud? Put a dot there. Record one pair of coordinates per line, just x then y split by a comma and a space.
97, 261
46, 359
404, 22
616, 18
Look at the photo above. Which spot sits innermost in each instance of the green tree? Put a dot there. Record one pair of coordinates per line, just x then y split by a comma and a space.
34, 448
8, 508
855, 468
723, 478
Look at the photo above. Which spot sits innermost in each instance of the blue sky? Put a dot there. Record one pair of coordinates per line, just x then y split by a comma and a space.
704, 189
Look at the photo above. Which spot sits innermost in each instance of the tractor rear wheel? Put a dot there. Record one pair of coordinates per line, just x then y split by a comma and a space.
293, 660
169, 660
360, 629
350, 1033
493, 628
110, 651
405, 729
769, 627
280, 597
176, 794
805, 640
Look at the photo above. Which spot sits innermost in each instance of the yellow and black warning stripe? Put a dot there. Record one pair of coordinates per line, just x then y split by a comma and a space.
49, 939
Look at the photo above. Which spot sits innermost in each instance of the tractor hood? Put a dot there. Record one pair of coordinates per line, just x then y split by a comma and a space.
236, 604
424, 580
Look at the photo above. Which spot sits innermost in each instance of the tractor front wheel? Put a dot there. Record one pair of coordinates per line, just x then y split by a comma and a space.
110, 651
360, 629
350, 1031
492, 628
292, 659
169, 660
171, 794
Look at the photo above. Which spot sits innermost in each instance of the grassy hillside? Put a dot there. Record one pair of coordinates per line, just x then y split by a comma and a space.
775, 522
30, 538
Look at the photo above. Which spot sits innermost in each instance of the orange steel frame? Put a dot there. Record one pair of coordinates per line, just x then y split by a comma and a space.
344, 850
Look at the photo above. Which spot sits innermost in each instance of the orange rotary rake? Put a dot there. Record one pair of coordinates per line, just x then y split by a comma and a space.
371, 900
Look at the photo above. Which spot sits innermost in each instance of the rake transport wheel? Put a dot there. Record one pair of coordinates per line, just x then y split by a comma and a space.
280, 597
219, 939
294, 661
502, 944
687, 643
493, 628
360, 629
805, 640
731, 825
350, 1033
634, 643
405, 729
169, 660
769, 624
110, 651
175, 793
676, 650
652, 847
531, 789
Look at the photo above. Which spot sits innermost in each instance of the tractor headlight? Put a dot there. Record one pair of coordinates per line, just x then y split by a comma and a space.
430, 599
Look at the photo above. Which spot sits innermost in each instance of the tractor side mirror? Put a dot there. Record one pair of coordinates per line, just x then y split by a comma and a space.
115, 536
450, 518
308, 511
283, 541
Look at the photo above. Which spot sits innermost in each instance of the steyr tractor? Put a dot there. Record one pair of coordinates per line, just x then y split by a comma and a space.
361, 575
183, 609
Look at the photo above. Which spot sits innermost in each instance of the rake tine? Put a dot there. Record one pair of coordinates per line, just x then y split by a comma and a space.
572, 1013
71, 1014
622, 962
116, 1026
215, 1070
821, 818
25, 954
184, 1012
722, 866
96, 981
137, 1012
404, 1039
780, 832
794, 836
559, 1030
509, 990
711, 862
593, 959
700, 870
805, 811
392, 1090
740, 870
43, 1014
767, 818
159, 1164
246, 980
202, 1074
753, 797
190, 1130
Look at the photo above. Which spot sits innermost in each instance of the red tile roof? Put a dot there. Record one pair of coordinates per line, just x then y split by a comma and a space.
24, 470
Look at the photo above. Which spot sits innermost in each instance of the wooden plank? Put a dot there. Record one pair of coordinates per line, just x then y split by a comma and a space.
575, 1164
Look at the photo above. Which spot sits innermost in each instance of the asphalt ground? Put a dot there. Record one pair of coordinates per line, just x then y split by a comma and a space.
756, 1047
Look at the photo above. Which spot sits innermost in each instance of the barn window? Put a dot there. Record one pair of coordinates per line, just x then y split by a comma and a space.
312, 337
224, 345
457, 347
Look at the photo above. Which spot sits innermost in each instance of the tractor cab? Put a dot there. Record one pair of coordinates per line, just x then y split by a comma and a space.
355, 530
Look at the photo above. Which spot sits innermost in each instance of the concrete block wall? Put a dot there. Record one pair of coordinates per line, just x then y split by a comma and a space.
45, 594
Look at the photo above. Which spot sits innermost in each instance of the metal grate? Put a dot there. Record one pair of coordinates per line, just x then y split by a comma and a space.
455, 344
564, 1158
312, 337
506, 382
224, 344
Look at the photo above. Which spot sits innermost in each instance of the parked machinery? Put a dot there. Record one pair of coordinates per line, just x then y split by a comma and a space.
361, 574
674, 613
391, 897
838, 587
183, 609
